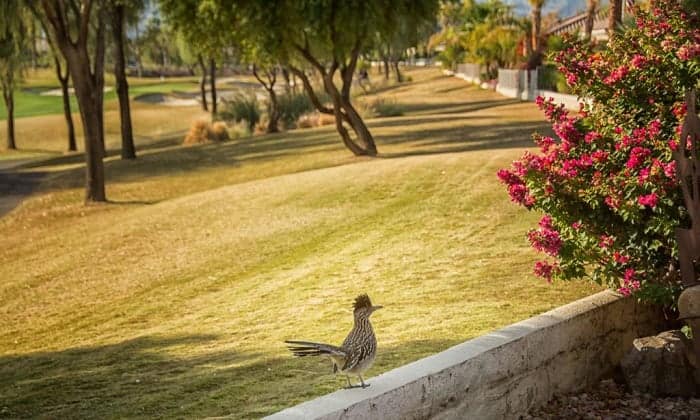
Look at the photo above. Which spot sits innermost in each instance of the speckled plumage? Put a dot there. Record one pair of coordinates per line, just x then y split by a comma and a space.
359, 349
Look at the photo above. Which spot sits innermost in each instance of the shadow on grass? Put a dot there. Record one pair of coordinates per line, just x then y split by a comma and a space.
148, 377
454, 107
423, 135
72, 158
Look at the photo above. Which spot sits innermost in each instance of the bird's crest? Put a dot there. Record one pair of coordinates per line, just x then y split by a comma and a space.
362, 301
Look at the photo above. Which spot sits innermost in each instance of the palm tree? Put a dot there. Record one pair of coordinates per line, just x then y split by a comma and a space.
536, 22
590, 17
615, 16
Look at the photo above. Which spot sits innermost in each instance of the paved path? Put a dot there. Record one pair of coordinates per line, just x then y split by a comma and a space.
16, 186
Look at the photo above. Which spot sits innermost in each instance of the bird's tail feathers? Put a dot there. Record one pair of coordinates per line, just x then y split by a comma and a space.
309, 348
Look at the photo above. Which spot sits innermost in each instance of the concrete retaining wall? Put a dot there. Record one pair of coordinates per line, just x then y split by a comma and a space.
501, 374
469, 72
570, 102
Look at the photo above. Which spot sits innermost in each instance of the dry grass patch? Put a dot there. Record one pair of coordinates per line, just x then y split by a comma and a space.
174, 300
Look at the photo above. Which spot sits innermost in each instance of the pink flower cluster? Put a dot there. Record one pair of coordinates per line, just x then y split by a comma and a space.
607, 180
545, 270
617, 75
648, 200
630, 283
545, 239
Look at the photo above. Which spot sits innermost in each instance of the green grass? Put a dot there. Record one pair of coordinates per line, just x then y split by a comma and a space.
28, 101
174, 299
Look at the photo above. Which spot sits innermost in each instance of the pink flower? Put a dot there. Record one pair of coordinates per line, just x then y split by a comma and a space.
508, 177
599, 156
546, 222
592, 136
606, 241
576, 225
620, 258
637, 156
643, 175
630, 283
545, 270
649, 200
612, 202
545, 239
637, 61
616, 75
670, 169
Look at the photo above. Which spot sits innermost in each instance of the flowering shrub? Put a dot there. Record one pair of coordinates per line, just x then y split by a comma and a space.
607, 185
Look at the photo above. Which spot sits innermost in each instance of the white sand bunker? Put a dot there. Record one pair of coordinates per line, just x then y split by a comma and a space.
71, 91
167, 100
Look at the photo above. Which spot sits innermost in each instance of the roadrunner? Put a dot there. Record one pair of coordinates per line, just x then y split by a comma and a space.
357, 352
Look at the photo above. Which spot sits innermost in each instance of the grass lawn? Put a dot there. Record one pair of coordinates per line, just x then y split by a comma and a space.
174, 300
29, 102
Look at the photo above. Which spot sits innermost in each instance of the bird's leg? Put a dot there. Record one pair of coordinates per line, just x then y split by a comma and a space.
350, 385
364, 385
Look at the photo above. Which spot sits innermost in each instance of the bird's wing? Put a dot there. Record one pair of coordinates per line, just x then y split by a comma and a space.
309, 348
357, 354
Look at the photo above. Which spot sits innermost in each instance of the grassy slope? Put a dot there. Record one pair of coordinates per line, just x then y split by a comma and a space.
178, 303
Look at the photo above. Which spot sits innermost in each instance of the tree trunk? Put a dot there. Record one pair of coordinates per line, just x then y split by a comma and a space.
34, 51
8, 96
590, 18
345, 112
274, 113
385, 59
128, 149
287, 81
72, 146
203, 83
537, 27
88, 82
399, 77
615, 16
90, 104
212, 84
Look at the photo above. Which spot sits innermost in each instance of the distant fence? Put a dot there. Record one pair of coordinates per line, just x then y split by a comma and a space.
522, 84
470, 72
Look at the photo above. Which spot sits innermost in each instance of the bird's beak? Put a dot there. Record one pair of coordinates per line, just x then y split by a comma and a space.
374, 308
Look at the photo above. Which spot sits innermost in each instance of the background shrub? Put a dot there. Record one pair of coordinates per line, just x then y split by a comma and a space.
383, 107
292, 106
202, 131
242, 108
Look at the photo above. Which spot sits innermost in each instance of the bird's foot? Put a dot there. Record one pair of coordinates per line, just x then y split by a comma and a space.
353, 386
365, 386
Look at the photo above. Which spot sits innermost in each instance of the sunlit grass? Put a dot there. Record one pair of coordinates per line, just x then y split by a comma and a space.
174, 300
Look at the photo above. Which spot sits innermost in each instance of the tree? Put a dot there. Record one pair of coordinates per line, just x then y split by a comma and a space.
204, 24
193, 58
328, 36
117, 14
592, 6
65, 94
615, 16
459, 20
68, 25
537, 24
63, 79
273, 113
13, 41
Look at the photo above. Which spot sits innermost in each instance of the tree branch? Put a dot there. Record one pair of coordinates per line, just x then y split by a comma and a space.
255, 73
85, 21
306, 53
310, 90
